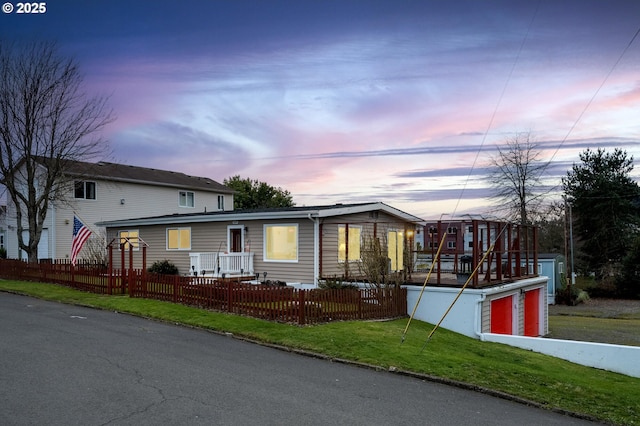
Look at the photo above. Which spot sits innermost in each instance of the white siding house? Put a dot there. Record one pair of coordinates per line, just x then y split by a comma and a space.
108, 191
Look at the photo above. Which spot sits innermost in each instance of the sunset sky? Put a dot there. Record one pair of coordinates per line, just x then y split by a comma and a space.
348, 101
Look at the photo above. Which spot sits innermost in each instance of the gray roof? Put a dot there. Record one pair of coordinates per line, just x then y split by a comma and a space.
142, 175
267, 213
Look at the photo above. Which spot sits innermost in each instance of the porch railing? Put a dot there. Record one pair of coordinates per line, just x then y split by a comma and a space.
216, 264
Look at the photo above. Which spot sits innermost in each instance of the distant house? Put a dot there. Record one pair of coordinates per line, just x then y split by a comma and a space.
293, 244
552, 265
109, 191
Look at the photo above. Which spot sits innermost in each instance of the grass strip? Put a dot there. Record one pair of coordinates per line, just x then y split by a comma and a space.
550, 382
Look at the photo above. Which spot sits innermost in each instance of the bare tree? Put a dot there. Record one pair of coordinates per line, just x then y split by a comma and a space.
515, 176
95, 249
374, 263
46, 122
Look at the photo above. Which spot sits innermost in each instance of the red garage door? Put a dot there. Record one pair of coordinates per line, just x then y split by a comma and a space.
502, 315
532, 313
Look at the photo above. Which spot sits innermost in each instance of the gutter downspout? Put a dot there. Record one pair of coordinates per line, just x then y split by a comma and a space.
316, 248
478, 317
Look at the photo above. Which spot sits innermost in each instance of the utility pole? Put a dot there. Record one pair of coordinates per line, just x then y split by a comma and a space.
573, 275
566, 250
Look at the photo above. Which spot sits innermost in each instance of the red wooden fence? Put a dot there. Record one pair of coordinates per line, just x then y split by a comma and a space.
273, 303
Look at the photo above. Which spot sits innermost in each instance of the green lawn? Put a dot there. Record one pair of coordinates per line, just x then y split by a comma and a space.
550, 382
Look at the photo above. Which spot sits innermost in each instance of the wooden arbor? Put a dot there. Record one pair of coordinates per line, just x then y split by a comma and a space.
125, 244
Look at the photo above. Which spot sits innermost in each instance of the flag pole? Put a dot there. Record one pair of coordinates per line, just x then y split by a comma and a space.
85, 223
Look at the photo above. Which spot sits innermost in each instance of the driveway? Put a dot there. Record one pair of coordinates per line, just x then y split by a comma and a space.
68, 365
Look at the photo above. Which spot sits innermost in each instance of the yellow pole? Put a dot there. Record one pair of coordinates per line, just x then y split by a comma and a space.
490, 249
426, 280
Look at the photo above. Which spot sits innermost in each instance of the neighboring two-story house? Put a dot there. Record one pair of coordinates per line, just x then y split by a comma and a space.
109, 191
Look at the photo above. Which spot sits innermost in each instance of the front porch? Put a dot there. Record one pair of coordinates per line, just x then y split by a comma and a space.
221, 264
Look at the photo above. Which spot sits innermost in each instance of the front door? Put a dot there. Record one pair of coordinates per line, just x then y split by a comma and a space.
235, 240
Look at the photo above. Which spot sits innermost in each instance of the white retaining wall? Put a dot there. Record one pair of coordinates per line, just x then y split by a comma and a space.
464, 317
616, 358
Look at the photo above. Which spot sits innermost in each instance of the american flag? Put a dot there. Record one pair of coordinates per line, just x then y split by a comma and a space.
80, 234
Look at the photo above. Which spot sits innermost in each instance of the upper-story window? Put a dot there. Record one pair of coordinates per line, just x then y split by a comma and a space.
84, 190
220, 202
186, 199
452, 230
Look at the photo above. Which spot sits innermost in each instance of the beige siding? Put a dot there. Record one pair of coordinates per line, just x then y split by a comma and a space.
486, 316
299, 271
520, 331
138, 201
212, 237
379, 225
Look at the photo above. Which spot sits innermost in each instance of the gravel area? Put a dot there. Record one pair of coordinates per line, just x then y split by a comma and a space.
600, 308
597, 320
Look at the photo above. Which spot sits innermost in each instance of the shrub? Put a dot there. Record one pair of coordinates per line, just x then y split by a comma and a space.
163, 267
3, 253
335, 283
582, 297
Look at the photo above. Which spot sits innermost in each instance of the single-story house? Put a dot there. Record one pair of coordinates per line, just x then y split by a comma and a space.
292, 244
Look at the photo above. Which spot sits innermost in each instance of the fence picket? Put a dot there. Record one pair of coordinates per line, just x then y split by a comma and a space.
274, 303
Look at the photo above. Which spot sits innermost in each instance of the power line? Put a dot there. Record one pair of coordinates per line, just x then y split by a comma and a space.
573, 126
495, 110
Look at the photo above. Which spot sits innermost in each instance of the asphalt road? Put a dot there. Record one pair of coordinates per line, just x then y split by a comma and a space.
68, 365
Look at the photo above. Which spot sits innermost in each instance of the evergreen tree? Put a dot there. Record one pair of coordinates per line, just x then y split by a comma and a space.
605, 203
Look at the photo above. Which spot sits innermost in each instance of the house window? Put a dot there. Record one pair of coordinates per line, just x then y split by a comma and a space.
470, 244
220, 202
186, 199
84, 190
179, 239
452, 230
451, 244
130, 239
470, 229
2, 240
281, 243
433, 230
355, 233
395, 249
